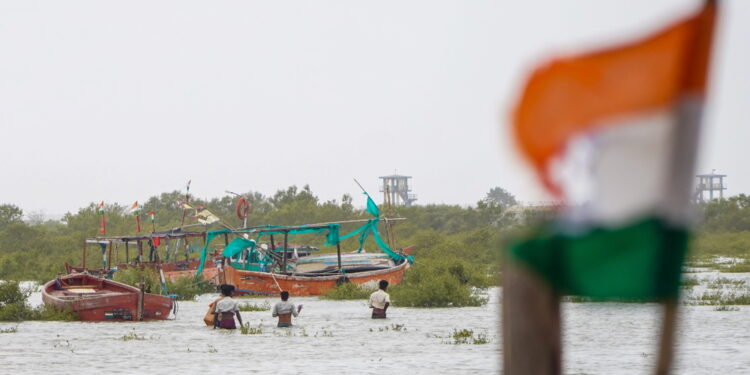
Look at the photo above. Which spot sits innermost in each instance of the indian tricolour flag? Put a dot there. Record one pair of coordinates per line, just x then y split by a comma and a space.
103, 220
627, 119
135, 210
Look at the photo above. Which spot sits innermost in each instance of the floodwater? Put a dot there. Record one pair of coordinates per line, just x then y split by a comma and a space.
333, 337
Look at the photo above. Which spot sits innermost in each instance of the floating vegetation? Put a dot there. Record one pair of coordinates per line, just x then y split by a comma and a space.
392, 327
726, 308
9, 330
63, 344
265, 306
736, 267
212, 349
132, 336
347, 291
466, 336
324, 334
719, 298
722, 282
245, 329
689, 282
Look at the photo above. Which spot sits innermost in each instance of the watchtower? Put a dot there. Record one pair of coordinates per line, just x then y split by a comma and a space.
395, 189
710, 183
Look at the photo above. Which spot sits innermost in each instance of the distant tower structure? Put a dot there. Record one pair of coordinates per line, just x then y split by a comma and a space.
710, 183
396, 190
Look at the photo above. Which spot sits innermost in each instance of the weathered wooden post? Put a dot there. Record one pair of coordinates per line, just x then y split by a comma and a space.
83, 265
141, 297
532, 342
140, 252
109, 256
666, 344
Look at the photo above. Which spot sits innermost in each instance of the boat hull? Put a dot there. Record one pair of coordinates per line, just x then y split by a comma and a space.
265, 283
96, 299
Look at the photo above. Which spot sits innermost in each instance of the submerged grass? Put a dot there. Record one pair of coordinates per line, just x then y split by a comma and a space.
726, 308
466, 336
347, 291
265, 306
132, 336
722, 282
719, 298
245, 329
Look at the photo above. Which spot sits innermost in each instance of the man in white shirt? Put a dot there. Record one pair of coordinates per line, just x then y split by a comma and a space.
284, 310
379, 301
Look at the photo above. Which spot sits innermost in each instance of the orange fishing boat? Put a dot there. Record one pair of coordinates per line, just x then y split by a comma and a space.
307, 284
260, 270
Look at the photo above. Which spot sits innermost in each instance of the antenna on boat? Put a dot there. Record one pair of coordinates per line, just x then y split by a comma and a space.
187, 200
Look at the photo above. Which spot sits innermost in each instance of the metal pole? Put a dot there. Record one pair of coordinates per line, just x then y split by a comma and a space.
273, 251
286, 248
127, 252
84, 255
109, 256
338, 255
140, 252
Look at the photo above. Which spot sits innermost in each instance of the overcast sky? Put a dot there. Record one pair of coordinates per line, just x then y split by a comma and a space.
119, 101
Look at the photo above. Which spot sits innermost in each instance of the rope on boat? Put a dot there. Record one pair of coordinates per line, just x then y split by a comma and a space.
277, 283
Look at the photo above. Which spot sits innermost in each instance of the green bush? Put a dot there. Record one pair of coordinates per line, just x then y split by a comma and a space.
265, 306
14, 306
51, 313
187, 288
135, 275
347, 291
428, 287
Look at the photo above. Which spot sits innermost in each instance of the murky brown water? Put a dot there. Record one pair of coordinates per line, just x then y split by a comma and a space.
333, 337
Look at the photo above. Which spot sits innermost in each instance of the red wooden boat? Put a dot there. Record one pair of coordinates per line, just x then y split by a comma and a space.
98, 299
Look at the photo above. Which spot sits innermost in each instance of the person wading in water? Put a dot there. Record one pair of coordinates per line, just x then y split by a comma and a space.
284, 310
379, 301
226, 309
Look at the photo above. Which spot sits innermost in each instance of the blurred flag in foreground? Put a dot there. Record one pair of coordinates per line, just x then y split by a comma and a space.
637, 108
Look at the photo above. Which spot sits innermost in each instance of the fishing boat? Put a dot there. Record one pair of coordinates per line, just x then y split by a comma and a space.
98, 299
305, 283
169, 262
260, 270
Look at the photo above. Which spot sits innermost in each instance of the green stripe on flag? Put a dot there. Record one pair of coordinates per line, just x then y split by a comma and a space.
640, 261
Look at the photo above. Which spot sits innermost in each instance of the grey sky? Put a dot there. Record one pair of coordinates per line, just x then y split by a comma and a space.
118, 101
